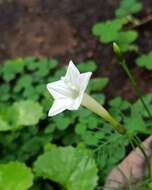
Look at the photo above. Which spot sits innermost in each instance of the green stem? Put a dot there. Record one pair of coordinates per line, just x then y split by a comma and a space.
138, 143
135, 138
135, 86
148, 159
130, 76
95, 107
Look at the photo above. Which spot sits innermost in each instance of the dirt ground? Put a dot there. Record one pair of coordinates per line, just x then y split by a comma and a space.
62, 29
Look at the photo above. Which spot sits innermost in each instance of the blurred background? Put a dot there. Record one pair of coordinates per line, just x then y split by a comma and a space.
62, 29
37, 40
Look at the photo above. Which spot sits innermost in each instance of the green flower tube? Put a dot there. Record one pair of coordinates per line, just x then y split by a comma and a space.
95, 107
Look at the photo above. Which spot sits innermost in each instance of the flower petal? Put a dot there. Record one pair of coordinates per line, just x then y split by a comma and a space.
59, 106
69, 91
58, 89
76, 103
84, 78
72, 74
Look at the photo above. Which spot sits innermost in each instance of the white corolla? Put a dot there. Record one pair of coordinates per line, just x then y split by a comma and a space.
68, 92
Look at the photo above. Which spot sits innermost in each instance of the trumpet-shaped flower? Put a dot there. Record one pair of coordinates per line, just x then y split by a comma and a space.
68, 92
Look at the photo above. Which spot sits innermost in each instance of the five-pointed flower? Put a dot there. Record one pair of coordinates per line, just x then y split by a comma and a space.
68, 92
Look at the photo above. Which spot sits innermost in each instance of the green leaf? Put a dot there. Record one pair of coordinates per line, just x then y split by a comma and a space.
90, 138
87, 66
53, 63
145, 61
119, 103
30, 93
138, 106
110, 152
93, 122
15, 176
11, 68
25, 113
128, 7
40, 88
5, 92
62, 122
80, 128
31, 147
125, 39
108, 31
99, 97
70, 138
31, 63
83, 112
73, 168
46, 102
24, 82
42, 68
43, 65
59, 73
50, 128
4, 126
135, 122
98, 84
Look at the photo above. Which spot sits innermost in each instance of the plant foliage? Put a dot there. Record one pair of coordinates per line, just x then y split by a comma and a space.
145, 61
24, 103
128, 7
73, 150
68, 166
114, 30
15, 176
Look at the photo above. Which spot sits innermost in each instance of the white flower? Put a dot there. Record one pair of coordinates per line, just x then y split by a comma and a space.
68, 92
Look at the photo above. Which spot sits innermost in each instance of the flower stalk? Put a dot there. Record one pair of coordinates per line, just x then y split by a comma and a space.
138, 143
95, 107
122, 62
69, 94
134, 139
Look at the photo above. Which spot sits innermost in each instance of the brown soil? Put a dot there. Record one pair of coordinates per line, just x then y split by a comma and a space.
62, 29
